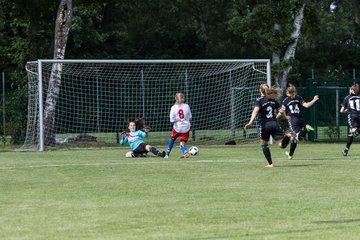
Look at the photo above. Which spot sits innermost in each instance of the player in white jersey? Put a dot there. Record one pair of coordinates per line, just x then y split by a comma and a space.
180, 117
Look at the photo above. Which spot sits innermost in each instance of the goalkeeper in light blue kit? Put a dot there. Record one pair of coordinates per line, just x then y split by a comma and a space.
139, 148
180, 116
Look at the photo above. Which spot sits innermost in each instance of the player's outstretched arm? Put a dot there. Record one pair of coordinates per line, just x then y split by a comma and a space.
124, 138
281, 113
252, 118
309, 104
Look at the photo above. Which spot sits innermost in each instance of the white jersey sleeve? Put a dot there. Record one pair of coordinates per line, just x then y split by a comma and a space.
180, 116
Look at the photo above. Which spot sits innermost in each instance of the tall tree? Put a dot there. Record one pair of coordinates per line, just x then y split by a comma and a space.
24, 36
274, 29
289, 55
62, 28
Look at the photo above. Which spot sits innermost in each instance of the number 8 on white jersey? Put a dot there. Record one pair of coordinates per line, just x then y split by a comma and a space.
180, 115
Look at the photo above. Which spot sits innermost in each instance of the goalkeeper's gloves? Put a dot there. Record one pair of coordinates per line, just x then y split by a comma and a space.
146, 129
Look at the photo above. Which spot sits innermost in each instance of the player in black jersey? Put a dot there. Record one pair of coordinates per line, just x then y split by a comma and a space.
291, 108
351, 106
266, 108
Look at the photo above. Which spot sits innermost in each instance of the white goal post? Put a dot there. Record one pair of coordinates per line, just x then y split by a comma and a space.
80, 102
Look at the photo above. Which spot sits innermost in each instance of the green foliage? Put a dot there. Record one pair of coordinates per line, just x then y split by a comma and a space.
257, 26
331, 132
333, 45
152, 29
16, 105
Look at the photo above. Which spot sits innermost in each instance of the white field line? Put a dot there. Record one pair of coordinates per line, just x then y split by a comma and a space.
102, 164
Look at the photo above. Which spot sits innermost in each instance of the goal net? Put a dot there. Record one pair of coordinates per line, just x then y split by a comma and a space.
93, 99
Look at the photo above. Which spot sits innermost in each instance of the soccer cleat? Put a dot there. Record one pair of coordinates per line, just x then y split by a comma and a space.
270, 165
292, 136
309, 128
186, 155
162, 154
288, 155
345, 152
166, 156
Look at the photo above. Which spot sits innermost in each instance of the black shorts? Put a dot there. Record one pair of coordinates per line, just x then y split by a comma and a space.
140, 151
271, 128
296, 124
353, 121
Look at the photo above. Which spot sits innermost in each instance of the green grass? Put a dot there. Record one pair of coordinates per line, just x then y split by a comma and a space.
224, 193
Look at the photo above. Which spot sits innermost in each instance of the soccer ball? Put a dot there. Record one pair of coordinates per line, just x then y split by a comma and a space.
193, 150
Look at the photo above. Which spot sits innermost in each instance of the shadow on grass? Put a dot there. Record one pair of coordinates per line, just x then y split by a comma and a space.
325, 227
299, 165
336, 221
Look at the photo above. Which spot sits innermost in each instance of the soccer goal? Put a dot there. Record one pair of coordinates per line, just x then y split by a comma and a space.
85, 102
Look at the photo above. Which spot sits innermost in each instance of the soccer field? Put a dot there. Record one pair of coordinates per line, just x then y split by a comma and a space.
223, 193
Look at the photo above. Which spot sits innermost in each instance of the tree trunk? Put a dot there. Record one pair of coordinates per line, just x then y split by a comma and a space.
276, 55
62, 28
289, 55
355, 8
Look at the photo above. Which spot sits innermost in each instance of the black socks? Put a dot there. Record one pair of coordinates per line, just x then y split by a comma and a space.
267, 153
